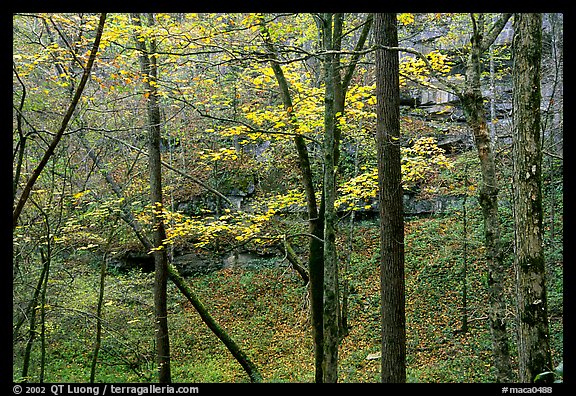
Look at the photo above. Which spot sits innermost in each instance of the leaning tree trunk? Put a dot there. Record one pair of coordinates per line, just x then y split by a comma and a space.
392, 287
234, 348
177, 279
533, 341
58, 136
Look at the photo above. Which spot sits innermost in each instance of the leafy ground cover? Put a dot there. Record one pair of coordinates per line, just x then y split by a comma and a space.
264, 308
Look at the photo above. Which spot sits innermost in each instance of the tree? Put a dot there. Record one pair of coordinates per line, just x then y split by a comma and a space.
337, 77
393, 363
533, 341
315, 212
327, 22
473, 105
147, 58
472, 100
58, 136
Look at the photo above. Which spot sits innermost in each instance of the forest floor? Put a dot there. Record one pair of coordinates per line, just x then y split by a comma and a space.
264, 308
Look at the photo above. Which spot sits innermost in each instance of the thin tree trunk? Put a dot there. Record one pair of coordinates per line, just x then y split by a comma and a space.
473, 105
533, 333
344, 329
21, 145
46, 259
340, 87
315, 216
98, 337
148, 66
464, 325
331, 298
392, 287
32, 327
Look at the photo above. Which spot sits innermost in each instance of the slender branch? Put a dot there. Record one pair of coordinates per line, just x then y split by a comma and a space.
494, 31
293, 259
355, 57
167, 165
20, 146
63, 126
553, 155
245, 124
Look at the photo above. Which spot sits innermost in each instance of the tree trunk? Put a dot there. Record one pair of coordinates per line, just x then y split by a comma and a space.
234, 349
331, 299
100, 303
473, 106
533, 342
33, 307
315, 216
98, 336
148, 66
392, 287
464, 324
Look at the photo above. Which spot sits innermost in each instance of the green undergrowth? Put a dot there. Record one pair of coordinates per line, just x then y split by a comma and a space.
265, 308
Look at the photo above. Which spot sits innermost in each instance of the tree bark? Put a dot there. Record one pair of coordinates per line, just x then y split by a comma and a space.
148, 66
331, 299
533, 342
392, 287
473, 106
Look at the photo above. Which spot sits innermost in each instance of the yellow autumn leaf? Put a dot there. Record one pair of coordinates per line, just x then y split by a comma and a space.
406, 18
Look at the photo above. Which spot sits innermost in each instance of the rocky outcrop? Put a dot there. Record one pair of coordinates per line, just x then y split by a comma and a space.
187, 263
131, 260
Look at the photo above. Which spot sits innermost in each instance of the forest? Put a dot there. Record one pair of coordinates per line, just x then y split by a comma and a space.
287, 197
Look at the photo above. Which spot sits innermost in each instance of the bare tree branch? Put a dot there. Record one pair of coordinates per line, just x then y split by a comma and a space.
181, 173
63, 126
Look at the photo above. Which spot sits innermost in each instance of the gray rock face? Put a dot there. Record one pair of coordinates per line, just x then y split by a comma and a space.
131, 261
192, 264
188, 264
436, 205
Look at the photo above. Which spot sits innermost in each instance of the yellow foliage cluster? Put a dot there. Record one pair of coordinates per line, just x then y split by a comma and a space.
360, 189
418, 162
422, 158
406, 18
222, 154
237, 225
415, 69
83, 231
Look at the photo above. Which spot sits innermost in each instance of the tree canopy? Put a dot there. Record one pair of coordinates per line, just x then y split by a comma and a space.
205, 138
